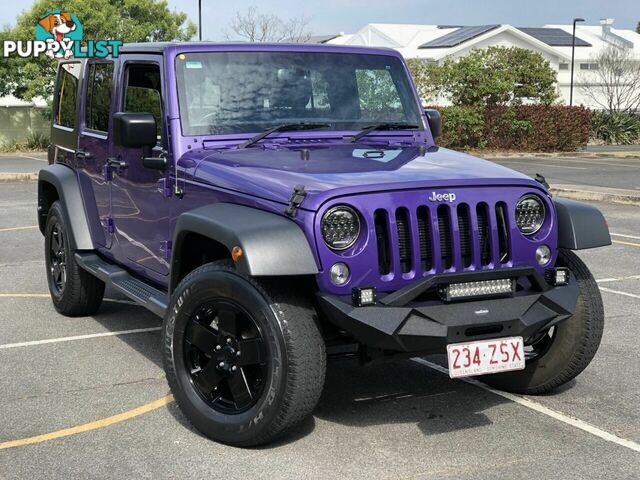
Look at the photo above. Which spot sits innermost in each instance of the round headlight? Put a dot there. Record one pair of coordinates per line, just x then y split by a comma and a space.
340, 227
530, 213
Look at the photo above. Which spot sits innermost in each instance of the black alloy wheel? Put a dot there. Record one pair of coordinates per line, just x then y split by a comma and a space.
225, 354
58, 259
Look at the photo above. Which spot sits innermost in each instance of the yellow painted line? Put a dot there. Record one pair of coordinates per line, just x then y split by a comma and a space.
13, 229
86, 427
631, 244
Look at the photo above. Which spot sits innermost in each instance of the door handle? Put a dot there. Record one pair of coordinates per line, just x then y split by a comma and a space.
82, 155
116, 163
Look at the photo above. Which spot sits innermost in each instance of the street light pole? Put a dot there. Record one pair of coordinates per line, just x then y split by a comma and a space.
200, 20
573, 55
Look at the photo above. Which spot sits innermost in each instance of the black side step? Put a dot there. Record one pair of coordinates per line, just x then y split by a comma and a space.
138, 291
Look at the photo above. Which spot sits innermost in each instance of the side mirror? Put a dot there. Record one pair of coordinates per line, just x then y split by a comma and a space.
435, 122
135, 130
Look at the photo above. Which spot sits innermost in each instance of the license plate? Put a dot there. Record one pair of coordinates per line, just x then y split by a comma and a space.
485, 356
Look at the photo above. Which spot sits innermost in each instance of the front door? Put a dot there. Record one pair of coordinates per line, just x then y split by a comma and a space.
139, 206
94, 137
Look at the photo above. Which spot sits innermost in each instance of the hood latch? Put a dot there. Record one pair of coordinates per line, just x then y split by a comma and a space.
296, 199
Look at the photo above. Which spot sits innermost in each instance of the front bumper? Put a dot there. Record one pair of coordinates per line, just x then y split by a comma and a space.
428, 326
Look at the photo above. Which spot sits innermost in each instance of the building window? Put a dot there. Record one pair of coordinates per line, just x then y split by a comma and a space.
564, 66
588, 66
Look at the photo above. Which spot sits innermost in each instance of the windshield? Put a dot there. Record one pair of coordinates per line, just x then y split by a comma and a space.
248, 92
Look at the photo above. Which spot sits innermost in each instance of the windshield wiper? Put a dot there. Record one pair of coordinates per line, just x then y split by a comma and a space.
382, 126
282, 128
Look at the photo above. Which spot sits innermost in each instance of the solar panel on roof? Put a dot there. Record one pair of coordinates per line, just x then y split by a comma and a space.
459, 36
556, 37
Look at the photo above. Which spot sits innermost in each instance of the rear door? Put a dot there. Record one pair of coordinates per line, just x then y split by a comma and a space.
94, 140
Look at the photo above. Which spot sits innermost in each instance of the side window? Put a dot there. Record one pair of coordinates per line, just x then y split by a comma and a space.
98, 105
142, 92
67, 95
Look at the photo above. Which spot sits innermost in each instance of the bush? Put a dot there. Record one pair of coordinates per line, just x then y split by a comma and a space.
37, 141
463, 127
523, 127
623, 128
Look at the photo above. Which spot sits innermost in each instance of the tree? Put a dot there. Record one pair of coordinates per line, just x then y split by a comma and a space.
126, 20
254, 26
638, 28
615, 85
427, 77
492, 76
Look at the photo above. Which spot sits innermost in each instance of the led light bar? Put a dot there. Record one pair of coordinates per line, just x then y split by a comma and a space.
486, 288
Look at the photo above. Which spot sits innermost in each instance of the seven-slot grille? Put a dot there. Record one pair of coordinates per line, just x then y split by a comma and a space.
442, 237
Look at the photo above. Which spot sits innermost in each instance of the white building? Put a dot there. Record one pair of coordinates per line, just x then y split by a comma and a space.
437, 42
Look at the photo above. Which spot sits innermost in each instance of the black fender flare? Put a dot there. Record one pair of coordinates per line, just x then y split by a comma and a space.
272, 245
580, 226
65, 182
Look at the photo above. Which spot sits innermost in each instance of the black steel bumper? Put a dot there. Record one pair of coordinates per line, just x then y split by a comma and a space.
427, 327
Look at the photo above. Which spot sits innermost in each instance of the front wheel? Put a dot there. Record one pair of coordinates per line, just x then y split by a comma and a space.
244, 360
559, 354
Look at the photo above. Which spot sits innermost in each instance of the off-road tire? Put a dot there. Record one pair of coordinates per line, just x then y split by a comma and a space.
574, 344
296, 357
82, 293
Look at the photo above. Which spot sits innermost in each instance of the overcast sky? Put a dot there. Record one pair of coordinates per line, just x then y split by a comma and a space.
334, 16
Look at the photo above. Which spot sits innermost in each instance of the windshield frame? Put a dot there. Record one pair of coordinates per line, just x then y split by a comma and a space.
411, 95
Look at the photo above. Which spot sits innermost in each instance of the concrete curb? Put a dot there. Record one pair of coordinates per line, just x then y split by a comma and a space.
18, 177
596, 155
597, 194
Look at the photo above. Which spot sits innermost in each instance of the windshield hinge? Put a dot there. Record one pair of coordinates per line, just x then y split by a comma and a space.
296, 199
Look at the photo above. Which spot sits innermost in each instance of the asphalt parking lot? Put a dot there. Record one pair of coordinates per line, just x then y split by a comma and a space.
102, 378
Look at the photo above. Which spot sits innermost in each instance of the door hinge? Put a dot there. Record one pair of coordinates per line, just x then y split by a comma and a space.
296, 199
165, 248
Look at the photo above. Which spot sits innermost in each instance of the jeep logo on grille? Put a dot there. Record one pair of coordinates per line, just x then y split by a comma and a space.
442, 197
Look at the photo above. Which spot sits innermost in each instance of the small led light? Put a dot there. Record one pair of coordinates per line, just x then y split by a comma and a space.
363, 296
557, 276
543, 255
339, 274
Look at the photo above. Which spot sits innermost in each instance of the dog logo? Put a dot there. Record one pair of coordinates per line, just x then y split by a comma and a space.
442, 197
60, 27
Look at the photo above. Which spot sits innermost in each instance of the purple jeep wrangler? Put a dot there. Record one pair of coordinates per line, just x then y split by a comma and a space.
281, 204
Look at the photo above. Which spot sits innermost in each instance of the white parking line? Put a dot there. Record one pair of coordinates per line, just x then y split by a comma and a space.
78, 337
618, 292
624, 235
530, 404
552, 166
618, 279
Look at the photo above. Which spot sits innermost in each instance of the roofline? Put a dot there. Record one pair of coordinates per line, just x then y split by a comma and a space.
162, 47
503, 28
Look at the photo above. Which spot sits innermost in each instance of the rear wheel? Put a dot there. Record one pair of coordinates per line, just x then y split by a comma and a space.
74, 291
244, 359
557, 355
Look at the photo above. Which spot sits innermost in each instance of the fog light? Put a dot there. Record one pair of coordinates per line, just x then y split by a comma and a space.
543, 255
339, 274
557, 276
363, 296
485, 288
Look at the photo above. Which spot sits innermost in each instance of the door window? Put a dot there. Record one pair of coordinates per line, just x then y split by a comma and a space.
99, 96
142, 92
67, 95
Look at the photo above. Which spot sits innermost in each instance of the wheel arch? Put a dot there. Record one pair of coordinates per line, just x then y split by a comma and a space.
271, 244
580, 226
59, 183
